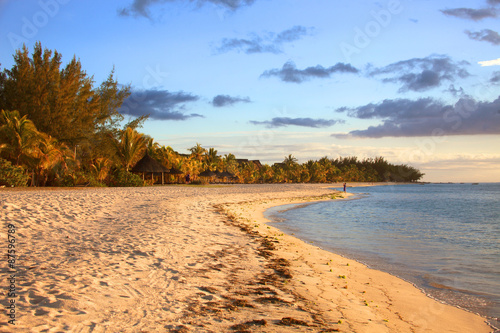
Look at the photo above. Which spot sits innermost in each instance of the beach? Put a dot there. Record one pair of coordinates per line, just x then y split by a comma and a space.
193, 259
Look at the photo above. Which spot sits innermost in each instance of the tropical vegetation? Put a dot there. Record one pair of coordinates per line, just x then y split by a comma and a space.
58, 129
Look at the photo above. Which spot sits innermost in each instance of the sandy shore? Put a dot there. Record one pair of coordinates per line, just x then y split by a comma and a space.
193, 259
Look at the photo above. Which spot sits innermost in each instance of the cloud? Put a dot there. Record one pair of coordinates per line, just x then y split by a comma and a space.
290, 73
426, 117
495, 62
225, 100
304, 122
420, 74
141, 7
159, 104
485, 35
495, 77
472, 14
455, 91
272, 43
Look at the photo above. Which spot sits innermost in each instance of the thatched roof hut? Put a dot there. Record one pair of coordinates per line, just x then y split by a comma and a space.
207, 173
175, 171
149, 165
225, 174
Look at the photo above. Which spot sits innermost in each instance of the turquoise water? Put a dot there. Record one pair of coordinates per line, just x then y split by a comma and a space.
444, 238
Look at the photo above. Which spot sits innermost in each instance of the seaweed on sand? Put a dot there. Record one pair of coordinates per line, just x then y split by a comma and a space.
248, 324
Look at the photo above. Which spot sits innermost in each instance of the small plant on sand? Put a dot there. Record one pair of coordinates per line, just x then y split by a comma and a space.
341, 276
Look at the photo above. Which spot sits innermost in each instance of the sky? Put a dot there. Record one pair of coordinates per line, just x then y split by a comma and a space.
414, 81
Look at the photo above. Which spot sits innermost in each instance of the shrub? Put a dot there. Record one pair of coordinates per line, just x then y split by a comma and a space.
123, 178
79, 178
12, 175
200, 181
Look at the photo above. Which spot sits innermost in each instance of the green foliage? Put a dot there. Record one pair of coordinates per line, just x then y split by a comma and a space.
61, 101
79, 178
122, 178
18, 135
130, 147
66, 132
11, 175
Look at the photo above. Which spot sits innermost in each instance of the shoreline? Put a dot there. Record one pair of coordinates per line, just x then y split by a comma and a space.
438, 325
193, 259
269, 215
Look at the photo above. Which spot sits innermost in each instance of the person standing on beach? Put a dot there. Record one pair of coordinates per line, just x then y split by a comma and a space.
345, 186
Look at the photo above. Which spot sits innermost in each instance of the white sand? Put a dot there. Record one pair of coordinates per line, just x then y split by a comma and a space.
168, 259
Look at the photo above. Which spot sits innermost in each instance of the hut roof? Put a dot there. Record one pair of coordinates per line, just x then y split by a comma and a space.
241, 160
225, 174
207, 173
175, 171
257, 163
149, 164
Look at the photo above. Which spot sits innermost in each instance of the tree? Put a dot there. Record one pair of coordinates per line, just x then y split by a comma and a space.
230, 164
18, 135
266, 173
197, 152
61, 102
249, 172
101, 168
130, 148
291, 168
212, 158
50, 159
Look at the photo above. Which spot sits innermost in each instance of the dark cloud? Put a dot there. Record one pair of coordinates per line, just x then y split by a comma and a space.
485, 35
225, 100
457, 92
495, 78
304, 122
290, 73
271, 43
159, 104
472, 14
427, 117
420, 74
141, 7
494, 2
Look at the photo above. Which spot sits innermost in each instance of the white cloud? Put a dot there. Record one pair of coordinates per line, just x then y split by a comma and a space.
495, 62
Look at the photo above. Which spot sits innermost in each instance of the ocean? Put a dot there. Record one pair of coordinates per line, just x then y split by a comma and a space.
444, 238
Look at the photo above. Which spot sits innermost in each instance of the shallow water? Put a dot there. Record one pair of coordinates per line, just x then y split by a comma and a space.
445, 238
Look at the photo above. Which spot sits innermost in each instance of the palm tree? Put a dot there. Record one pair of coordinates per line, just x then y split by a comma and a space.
249, 172
290, 161
152, 146
130, 147
197, 152
212, 157
291, 165
101, 168
266, 173
167, 156
19, 136
50, 159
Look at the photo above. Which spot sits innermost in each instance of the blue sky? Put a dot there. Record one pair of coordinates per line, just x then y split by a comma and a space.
266, 78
